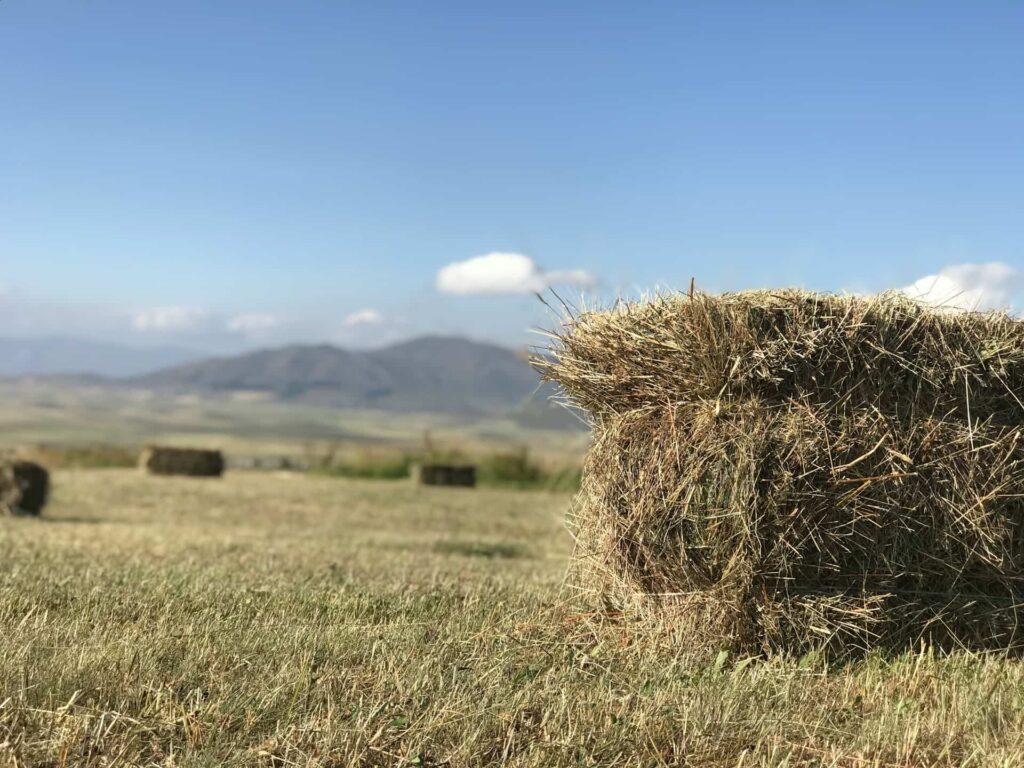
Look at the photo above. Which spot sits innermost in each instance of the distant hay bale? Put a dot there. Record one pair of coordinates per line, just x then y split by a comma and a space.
24, 487
159, 460
787, 471
446, 474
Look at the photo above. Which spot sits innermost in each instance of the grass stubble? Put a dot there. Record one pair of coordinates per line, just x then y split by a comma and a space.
288, 620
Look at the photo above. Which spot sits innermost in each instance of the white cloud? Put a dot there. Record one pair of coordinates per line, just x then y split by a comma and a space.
364, 317
512, 273
994, 285
168, 319
252, 323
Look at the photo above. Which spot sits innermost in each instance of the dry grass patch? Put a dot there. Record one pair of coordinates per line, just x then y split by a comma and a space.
280, 620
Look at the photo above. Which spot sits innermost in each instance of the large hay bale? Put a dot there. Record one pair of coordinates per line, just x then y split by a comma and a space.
159, 460
456, 475
24, 487
784, 471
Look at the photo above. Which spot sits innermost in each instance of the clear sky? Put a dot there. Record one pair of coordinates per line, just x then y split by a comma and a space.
233, 173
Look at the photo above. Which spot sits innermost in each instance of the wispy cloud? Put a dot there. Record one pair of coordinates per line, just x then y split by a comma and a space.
168, 319
363, 317
254, 322
192, 320
506, 273
994, 285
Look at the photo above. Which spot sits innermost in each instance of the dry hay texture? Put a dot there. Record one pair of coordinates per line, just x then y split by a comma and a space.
24, 487
787, 471
158, 460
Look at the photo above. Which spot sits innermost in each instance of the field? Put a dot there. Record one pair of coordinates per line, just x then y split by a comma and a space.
294, 620
46, 411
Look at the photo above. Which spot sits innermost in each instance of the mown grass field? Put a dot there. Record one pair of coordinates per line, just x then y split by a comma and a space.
295, 620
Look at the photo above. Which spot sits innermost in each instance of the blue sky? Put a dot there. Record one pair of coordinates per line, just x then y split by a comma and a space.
236, 173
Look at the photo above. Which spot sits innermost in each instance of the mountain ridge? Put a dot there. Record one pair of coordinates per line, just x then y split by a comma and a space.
430, 374
443, 374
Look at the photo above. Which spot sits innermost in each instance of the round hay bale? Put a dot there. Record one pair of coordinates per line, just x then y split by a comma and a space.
191, 462
24, 487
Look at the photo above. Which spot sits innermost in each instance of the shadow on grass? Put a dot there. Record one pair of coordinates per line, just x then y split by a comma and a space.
77, 520
503, 550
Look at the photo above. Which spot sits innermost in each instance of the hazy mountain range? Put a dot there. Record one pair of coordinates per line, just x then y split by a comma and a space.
426, 375
48, 355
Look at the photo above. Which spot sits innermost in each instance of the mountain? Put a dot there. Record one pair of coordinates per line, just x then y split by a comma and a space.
428, 374
50, 355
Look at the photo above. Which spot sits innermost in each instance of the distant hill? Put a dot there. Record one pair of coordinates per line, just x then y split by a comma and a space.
428, 374
66, 355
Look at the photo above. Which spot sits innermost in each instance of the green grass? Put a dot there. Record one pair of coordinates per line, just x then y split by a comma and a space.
508, 468
292, 620
97, 456
394, 465
517, 469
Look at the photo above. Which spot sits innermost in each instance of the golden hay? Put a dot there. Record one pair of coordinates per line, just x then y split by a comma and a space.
786, 471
